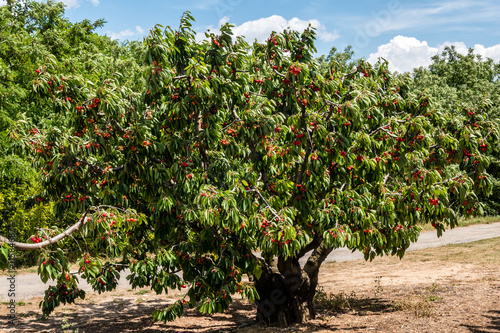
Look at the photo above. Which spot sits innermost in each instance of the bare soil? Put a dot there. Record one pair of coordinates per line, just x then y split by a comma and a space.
448, 289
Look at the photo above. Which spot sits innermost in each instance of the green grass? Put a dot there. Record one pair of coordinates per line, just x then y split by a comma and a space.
463, 222
485, 251
20, 303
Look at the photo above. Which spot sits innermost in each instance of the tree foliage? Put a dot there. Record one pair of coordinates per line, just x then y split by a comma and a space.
35, 39
457, 82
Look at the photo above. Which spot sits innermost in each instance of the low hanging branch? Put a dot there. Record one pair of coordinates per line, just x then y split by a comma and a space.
28, 247
50, 241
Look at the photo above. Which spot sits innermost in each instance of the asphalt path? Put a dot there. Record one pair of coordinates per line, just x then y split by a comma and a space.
30, 285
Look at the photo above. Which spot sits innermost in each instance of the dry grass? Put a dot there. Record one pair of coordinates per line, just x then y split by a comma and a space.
480, 252
463, 222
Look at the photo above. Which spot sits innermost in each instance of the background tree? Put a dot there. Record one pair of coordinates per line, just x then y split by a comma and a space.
455, 82
39, 45
220, 149
345, 60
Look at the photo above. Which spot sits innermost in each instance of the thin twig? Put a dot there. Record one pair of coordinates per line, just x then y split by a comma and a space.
282, 75
452, 179
254, 189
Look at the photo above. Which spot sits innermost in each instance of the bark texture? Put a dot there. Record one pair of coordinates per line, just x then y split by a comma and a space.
287, 290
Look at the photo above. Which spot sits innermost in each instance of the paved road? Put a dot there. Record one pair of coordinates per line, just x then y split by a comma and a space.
29, 285
429, 239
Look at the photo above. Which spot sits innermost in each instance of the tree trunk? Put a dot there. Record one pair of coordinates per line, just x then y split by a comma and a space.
284, 299
287, 293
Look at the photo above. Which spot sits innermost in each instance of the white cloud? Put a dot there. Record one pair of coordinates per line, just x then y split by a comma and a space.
406, 53
77, 3
492, 52
398, 16
261, 29
223, 20
139, 29
71, 3
125, 33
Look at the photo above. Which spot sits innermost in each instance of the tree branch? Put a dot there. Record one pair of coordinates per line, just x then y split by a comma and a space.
316, 259
198, 130
98, 168
378, 130
452, 179
256, 94
299, 173
311, 246
254, 189
256, 159
118, 127
347, 74
28, 247
180, 77
275, 71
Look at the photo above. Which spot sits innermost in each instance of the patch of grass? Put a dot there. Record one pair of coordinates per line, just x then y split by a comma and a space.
142, 292
119, 301
420, 307
73, 266
433, 298
66, 326
343, 303
139, 300
335, 302
423, 308
463, 222
434, 286
378, 286
480, 252
20, 271
29, 314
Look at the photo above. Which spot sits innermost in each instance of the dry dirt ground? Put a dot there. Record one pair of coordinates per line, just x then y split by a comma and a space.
448, 289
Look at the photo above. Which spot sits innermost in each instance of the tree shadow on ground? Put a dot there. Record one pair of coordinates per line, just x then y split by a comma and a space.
343, 303
494, 324
126, 315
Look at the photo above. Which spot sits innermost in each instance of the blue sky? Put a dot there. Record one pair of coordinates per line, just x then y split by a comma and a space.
407, 33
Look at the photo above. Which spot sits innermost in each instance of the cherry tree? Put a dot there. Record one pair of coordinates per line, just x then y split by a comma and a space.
222, 150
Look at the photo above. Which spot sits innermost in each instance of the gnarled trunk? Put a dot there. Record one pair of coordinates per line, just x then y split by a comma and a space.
284, 299
287, 293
